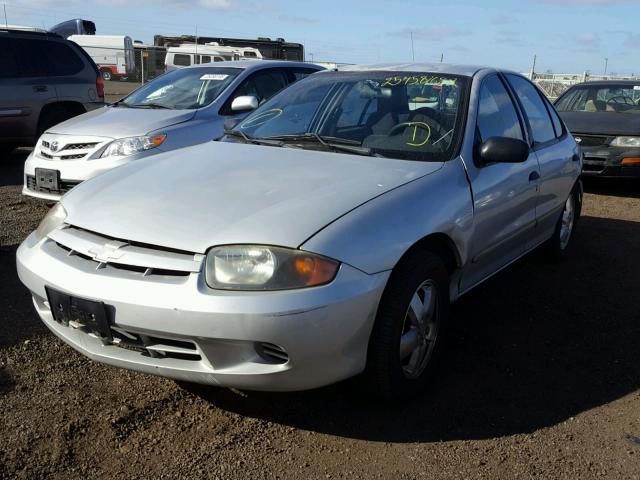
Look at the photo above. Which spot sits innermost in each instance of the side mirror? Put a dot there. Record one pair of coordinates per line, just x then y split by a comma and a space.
244, 103
230, 123
503, 150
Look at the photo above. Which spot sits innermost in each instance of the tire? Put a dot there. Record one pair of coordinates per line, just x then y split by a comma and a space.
557, 246
106, 74
390, 374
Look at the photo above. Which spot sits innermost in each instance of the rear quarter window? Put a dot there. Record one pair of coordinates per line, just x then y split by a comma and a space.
534, 107
62, 59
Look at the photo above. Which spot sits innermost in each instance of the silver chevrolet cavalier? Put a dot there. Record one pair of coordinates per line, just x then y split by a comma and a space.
324, 237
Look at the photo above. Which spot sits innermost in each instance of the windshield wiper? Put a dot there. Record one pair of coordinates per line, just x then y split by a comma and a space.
333, 143
255, 141
148, 105
119, 103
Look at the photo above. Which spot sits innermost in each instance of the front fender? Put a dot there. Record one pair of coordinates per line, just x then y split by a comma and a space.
374, 236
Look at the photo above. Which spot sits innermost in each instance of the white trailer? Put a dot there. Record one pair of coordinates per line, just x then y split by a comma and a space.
114, 54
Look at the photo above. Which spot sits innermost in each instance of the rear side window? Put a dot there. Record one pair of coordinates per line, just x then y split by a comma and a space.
269, 82
29, 59
7, 60
62, 59
497, 115
534, 107
181, 60
206, 59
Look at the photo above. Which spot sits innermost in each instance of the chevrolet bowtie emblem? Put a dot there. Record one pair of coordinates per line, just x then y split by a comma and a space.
108, 252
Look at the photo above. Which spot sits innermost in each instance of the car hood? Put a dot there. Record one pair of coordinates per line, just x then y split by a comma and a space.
223, 193
119, 122
602, 123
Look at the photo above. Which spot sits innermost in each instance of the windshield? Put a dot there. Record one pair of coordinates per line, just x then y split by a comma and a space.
183, 89
407, 115
599, 98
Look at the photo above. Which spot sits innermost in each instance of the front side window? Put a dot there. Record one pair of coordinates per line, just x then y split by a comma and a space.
497, 115
369, 111
28, 55
181, 60
621, 98
541, 126
7, 60
183, 89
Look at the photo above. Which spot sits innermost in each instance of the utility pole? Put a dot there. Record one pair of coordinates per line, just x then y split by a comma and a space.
606, 64
311, 54
413, 55
196, 59
6, 23
533, 67
441, 57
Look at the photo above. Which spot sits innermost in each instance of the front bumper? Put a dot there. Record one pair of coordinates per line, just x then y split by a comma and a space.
71, 173
208, 336
606, 161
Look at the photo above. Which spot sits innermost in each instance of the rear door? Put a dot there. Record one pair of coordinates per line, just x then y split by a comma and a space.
73, 79
24, 87
556, 152
504, 194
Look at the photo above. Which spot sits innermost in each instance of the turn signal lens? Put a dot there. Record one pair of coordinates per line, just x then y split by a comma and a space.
631, 161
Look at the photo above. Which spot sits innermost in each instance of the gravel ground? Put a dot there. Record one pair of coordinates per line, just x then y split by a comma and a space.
541, 380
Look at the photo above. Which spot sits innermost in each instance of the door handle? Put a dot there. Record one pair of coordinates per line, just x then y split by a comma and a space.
40, 88
533, 176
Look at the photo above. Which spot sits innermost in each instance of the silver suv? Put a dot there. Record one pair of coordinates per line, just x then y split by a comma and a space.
44, 80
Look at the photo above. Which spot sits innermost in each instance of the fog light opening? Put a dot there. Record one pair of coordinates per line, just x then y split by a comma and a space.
272, 353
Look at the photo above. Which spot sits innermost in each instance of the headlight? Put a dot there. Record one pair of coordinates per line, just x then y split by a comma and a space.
123, 147
52, 220
626, 142
254, 267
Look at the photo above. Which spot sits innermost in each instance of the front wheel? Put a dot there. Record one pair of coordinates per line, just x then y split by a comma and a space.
106, 74
407, 336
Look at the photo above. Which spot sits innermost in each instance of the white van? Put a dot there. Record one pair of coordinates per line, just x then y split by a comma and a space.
113, 54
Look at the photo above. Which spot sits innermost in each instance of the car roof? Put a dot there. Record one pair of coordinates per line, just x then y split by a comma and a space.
29, 33
257, 64
601, 83
463, 70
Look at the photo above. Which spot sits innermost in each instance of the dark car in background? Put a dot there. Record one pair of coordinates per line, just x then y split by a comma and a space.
604, 118
44, 80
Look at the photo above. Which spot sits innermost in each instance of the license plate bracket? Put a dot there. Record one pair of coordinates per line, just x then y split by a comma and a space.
89, 315
47, 179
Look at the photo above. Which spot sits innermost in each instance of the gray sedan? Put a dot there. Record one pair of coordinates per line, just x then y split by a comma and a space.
181, 108
326, 240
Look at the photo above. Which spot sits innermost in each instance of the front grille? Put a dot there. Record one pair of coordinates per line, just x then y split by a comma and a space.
106, 254
63, 186
592, 140
155, 347
79, 146
73, 157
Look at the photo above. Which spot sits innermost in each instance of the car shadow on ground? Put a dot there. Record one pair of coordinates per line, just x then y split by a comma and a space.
615, 187
12, 167
18, 319
533, 347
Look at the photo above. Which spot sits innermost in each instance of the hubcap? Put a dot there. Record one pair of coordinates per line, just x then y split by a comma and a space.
567, 223
419, 330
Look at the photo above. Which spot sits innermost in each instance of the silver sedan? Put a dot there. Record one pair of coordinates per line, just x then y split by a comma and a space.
326, 240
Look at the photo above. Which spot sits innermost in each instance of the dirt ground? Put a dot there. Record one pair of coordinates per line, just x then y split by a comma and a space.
541, 380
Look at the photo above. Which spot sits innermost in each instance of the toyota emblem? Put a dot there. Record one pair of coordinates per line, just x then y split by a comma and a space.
54, 146
578, 139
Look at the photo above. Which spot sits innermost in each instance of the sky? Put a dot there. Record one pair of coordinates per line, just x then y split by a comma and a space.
566, 36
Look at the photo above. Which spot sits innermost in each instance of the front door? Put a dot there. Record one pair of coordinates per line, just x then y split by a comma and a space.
504, 194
